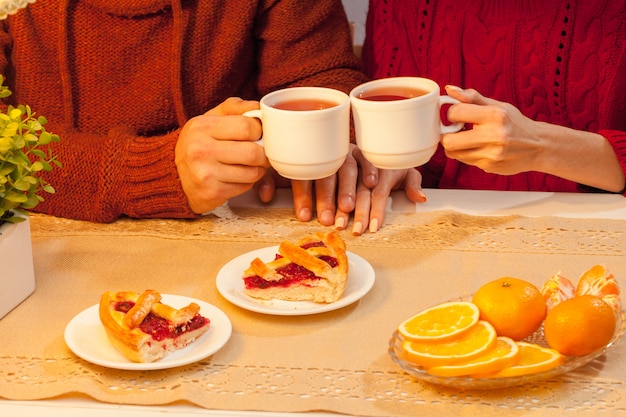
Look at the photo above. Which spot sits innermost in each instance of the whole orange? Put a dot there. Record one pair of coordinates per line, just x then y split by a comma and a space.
580, 325
513, 306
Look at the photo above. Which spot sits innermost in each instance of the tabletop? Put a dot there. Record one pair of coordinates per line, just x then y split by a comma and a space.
332, 362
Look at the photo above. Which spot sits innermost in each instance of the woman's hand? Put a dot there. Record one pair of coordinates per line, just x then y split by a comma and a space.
358, 188
216, 156
374, 187
504, 141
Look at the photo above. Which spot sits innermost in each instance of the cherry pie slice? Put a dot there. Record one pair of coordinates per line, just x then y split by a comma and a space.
313, 269
146, 330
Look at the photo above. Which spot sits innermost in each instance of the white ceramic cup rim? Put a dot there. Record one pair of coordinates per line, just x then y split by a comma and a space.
416, 82
312, 160
322, 93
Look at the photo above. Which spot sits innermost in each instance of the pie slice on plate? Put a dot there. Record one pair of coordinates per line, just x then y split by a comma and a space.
146, 330
313, 269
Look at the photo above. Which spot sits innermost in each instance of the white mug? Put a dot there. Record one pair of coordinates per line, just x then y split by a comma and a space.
306, 131
397, 121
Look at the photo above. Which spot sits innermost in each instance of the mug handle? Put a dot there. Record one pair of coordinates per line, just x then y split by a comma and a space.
455, 127
257, 114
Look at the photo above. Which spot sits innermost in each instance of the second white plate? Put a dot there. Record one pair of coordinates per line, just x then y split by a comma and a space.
230, 284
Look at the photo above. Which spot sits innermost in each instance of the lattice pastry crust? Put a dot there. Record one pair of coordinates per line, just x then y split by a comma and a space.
144, 329
279, 279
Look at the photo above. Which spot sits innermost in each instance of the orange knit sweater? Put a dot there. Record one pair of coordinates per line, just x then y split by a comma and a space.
118, 79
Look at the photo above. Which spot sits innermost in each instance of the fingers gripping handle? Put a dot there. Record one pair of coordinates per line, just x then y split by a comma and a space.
256, 114
455, 127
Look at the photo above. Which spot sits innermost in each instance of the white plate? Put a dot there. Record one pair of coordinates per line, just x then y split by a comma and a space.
230, 284
86, 337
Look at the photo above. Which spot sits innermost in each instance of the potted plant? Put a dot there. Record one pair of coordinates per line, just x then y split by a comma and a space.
24, 156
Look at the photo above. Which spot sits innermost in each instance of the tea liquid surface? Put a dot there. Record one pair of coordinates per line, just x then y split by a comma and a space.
304, 104
392, 93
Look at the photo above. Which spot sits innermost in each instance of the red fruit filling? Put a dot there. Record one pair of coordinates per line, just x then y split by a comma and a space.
292, 273
160, 328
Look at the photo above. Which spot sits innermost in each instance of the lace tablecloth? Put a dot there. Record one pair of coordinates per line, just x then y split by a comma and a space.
335, 361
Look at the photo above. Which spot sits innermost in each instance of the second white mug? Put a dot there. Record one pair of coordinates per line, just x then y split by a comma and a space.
397, 121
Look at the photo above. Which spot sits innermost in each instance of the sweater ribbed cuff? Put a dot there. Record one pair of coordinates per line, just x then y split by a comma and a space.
154, 188
617, 139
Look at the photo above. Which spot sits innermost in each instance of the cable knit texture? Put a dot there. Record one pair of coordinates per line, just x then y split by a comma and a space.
118, 79
562, 62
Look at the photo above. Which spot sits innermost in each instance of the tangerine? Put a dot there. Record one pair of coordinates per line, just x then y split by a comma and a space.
558, 288
580, 325
597, 281
513, 306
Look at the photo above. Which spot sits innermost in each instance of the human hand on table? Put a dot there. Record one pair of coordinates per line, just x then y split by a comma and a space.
216, 155
333, 196
373, 188
357, 188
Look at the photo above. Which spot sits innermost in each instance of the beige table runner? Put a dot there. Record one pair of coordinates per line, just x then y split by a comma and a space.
335, 361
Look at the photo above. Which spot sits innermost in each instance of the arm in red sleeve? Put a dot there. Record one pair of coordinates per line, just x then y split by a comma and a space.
128, 175
617, 139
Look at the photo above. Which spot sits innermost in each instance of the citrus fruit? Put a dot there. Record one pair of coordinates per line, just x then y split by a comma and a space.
532, 359
513, 306
469, 344
597, 281
600, 282
615, 302
503, 354
557, 289
580, 325
440, 322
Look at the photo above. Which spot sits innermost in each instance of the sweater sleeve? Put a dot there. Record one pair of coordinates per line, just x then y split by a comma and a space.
617, 139
113, 175
128, 175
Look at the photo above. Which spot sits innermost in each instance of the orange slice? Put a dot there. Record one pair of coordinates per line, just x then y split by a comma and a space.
504, 354
532, 359
440, 322
468, 345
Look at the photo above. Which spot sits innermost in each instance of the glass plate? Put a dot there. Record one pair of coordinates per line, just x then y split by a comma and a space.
571, 362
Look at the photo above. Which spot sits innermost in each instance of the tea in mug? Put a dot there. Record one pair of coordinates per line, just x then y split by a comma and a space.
304, 104
392, 93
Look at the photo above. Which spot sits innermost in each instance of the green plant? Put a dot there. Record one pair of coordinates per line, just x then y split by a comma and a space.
24, 155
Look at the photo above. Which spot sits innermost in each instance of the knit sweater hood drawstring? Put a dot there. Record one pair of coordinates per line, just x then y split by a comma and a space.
129, 8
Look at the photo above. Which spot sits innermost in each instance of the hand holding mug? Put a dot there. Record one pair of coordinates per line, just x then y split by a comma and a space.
216, 157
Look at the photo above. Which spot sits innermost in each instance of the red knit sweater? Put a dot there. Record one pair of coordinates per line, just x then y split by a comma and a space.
117, 79
562, 62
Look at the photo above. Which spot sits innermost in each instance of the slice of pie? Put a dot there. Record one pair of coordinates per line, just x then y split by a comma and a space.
144, 329
313, 269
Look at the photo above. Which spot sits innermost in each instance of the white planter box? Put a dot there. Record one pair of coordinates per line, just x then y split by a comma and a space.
17, 276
